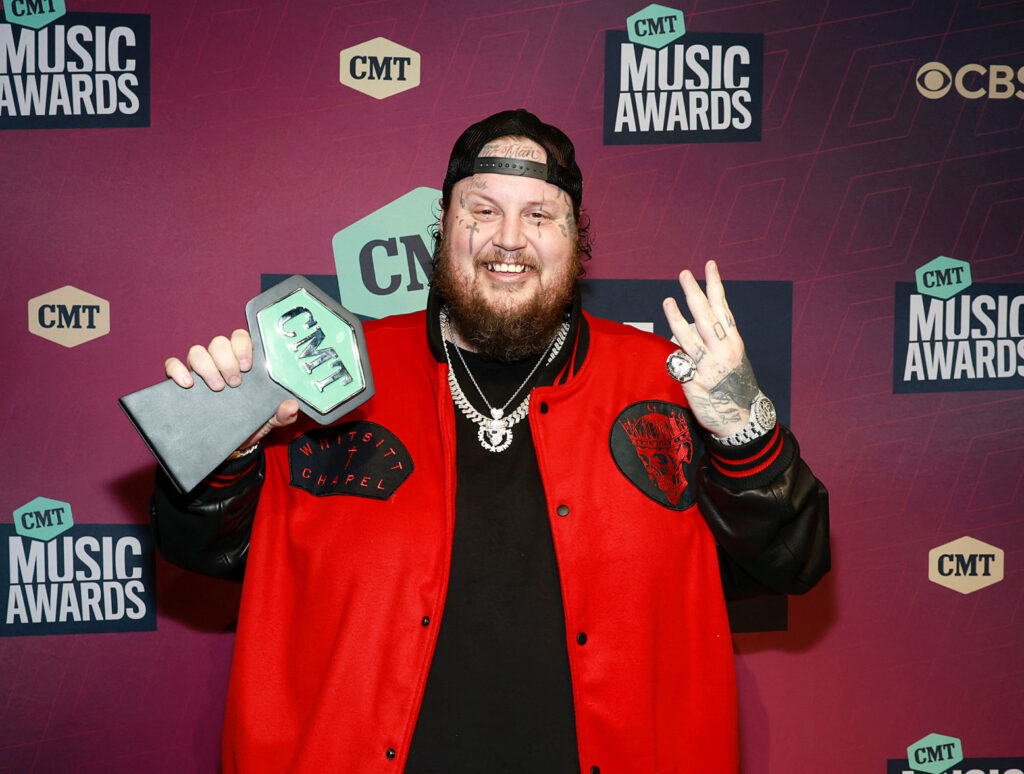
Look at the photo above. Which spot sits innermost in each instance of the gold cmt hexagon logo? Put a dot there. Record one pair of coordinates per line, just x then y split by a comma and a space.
965, 565
380, 68
69, 316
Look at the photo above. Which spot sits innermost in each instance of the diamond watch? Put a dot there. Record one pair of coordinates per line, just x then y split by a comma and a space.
762, 419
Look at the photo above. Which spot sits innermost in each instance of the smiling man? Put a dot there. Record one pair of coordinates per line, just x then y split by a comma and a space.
508, 256
541, 588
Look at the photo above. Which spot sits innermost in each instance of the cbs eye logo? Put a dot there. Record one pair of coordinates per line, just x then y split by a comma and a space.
972, 81
934, 80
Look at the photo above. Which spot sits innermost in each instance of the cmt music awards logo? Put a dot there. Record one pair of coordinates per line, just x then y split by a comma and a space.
57, 577
61, 70
951, 334
940, 754
971, 81
663, 84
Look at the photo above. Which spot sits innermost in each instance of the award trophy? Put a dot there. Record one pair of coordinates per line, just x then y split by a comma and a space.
305, 346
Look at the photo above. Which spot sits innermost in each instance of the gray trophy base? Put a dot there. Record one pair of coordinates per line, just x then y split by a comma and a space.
192, 431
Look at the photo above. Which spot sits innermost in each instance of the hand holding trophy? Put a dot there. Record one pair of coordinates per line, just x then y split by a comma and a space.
304, 346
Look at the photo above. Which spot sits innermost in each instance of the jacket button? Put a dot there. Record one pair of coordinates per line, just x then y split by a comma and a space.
426, 620
543, 408
390, 753
581, 638
562, 510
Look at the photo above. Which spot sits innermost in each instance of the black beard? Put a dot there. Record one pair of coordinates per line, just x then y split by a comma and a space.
499, 335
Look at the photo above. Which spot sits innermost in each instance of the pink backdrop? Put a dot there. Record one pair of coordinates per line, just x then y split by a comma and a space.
256, 156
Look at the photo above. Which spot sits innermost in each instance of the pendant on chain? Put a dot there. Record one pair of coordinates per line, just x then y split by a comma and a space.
494, 435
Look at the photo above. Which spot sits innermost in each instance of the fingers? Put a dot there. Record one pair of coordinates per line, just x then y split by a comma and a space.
178, 371
709, 326
714, 330
241, 345
711, 314
287, 412
219, 364
680, 327
716, 295
201, 360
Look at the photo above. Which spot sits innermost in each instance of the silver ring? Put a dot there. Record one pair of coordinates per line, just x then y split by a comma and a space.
681, 367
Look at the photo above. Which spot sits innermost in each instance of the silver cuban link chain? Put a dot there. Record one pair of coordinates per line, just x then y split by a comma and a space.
495, 433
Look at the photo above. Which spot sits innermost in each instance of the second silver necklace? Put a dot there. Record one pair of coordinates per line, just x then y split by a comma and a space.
495, 431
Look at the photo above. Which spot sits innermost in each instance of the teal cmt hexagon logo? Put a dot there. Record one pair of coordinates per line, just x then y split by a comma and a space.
34, 14
655, 26
43, 519
943, 277
935, 754
311, 352
383, 260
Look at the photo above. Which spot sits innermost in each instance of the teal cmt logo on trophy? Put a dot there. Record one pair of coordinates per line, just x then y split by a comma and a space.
305, 346
310, 351
34, 14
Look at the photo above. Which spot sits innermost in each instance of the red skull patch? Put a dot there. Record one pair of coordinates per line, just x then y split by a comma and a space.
655, 446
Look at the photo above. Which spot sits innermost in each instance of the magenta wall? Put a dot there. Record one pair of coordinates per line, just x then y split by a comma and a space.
255, 156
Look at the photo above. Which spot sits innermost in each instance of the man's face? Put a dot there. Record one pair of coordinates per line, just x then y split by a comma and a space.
508, 250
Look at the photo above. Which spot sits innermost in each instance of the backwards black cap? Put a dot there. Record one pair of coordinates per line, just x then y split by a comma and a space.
560, 168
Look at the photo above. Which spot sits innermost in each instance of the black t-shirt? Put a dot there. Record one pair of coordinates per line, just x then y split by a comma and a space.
499, 694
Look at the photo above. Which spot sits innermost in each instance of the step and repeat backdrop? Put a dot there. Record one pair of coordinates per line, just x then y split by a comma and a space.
855, 166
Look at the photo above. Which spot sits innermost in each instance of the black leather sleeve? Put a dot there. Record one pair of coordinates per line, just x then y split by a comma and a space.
207, 530
772, 528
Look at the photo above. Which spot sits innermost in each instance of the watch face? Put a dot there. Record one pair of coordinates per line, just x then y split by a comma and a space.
764, 411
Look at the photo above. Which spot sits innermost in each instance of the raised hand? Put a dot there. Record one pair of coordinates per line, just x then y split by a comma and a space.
721, 391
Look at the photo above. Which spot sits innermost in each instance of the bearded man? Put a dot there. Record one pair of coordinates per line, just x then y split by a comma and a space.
539, 586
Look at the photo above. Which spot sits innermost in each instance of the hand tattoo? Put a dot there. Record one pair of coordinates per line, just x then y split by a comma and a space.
705, 412
738, 388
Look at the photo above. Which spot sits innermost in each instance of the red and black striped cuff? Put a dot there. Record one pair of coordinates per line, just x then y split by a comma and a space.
753, 464
231, 472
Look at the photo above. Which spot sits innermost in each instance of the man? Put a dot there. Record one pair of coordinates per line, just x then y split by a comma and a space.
512, 558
